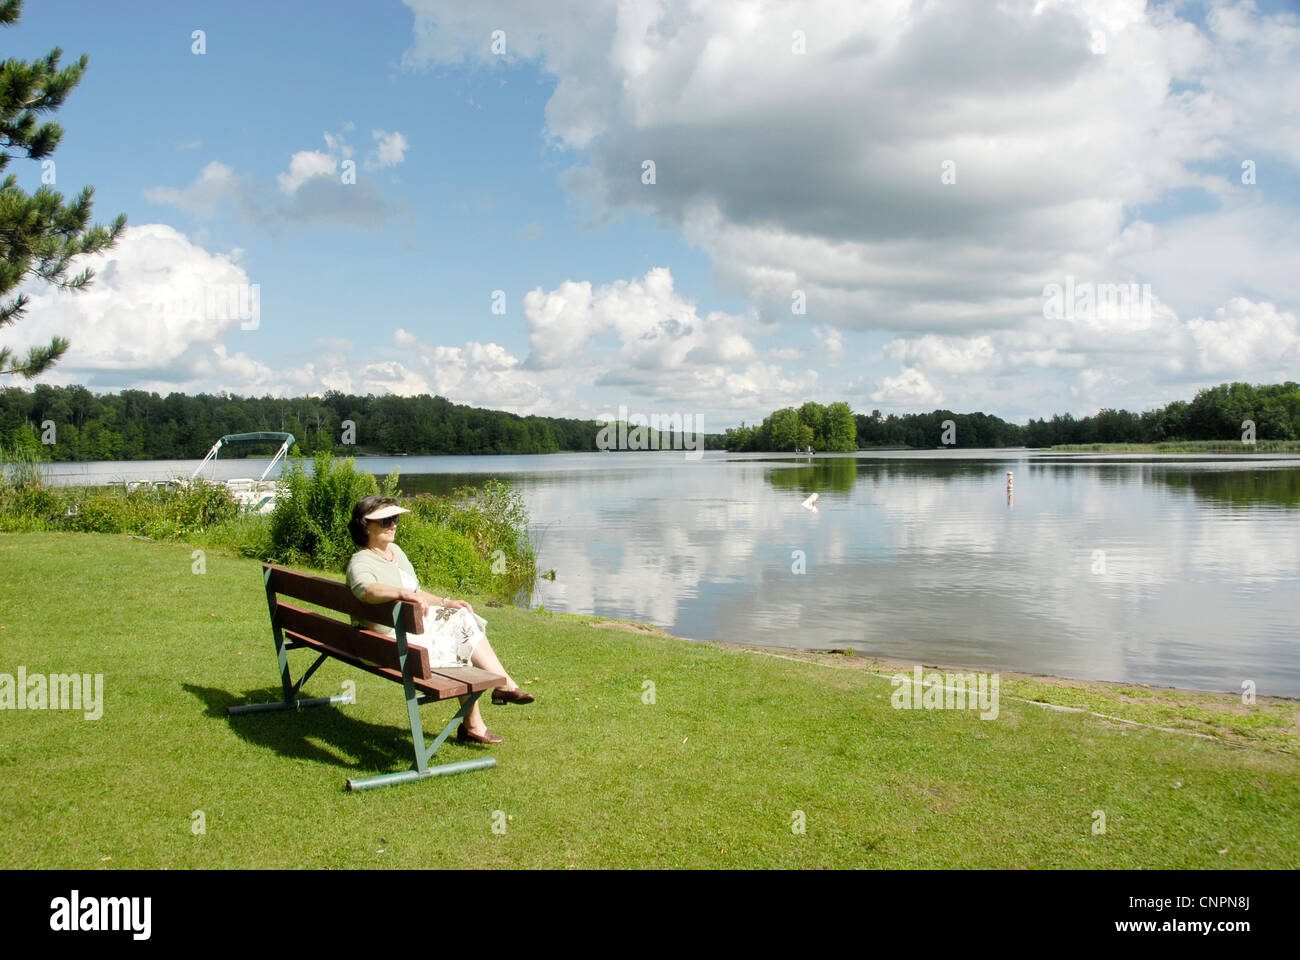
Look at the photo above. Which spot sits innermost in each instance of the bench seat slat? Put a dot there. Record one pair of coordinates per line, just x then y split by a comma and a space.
474, 677
437, 687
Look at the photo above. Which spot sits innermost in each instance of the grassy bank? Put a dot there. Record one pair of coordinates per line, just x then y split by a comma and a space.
1183, 446
709, 774
1270, 723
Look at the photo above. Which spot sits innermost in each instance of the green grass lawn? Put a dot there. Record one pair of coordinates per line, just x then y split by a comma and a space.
709, 775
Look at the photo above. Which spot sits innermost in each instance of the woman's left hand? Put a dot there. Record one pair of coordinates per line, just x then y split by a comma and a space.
448, 602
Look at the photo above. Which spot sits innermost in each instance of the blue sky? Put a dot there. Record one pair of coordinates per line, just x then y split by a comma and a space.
1097, 140
274, 77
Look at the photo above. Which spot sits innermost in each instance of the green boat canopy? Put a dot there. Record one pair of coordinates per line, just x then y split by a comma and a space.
231, 437
286, 441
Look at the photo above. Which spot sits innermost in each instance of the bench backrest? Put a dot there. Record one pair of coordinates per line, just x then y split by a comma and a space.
368, 645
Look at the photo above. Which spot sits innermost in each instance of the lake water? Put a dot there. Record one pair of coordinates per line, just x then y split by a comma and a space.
1168, 571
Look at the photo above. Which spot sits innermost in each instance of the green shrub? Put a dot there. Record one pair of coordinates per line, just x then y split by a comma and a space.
22, 462
198, 505
496, 518
160, 514
248, 535
27, 502
452, 541
310, 521
104, 511
30, 508
492, 518
443, 558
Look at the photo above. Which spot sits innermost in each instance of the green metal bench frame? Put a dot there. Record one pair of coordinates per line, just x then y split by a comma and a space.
293, 627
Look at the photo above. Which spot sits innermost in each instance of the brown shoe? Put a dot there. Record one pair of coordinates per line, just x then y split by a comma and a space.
463, 735
500, 696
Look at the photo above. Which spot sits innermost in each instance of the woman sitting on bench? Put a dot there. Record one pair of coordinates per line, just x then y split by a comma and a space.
453, 633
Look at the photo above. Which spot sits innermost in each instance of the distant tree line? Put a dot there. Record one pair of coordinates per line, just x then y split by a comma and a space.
920, 430
135, 425
1216, 413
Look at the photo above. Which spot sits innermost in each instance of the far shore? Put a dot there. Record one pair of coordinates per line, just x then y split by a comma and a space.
1215, 447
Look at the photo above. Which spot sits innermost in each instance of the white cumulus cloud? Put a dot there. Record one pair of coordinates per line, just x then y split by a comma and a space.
390, 150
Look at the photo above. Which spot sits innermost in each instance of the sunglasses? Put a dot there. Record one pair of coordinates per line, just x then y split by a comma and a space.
386, 522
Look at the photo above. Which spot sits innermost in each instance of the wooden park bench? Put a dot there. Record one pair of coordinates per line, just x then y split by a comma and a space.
394, 659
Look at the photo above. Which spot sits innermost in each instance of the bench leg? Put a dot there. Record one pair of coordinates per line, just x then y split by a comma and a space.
289, 704
406, 776
423, 755
451, 726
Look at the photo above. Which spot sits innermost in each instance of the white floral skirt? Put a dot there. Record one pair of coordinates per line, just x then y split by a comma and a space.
451, 634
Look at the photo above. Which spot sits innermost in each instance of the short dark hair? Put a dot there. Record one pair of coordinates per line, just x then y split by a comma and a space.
357, 525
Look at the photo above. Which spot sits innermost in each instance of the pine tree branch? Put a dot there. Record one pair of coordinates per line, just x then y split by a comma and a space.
40, 234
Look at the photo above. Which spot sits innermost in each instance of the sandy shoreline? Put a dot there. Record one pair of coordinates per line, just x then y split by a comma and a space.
860, 661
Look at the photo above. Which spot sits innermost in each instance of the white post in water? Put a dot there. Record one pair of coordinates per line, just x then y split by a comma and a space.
1010, 482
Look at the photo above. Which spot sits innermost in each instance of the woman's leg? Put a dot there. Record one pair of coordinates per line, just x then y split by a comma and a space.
473, 719
484, 656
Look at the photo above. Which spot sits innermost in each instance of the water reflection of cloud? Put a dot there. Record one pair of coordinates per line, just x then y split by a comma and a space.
646, 548
937, 567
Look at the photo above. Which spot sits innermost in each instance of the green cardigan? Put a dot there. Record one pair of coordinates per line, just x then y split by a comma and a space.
366, 567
